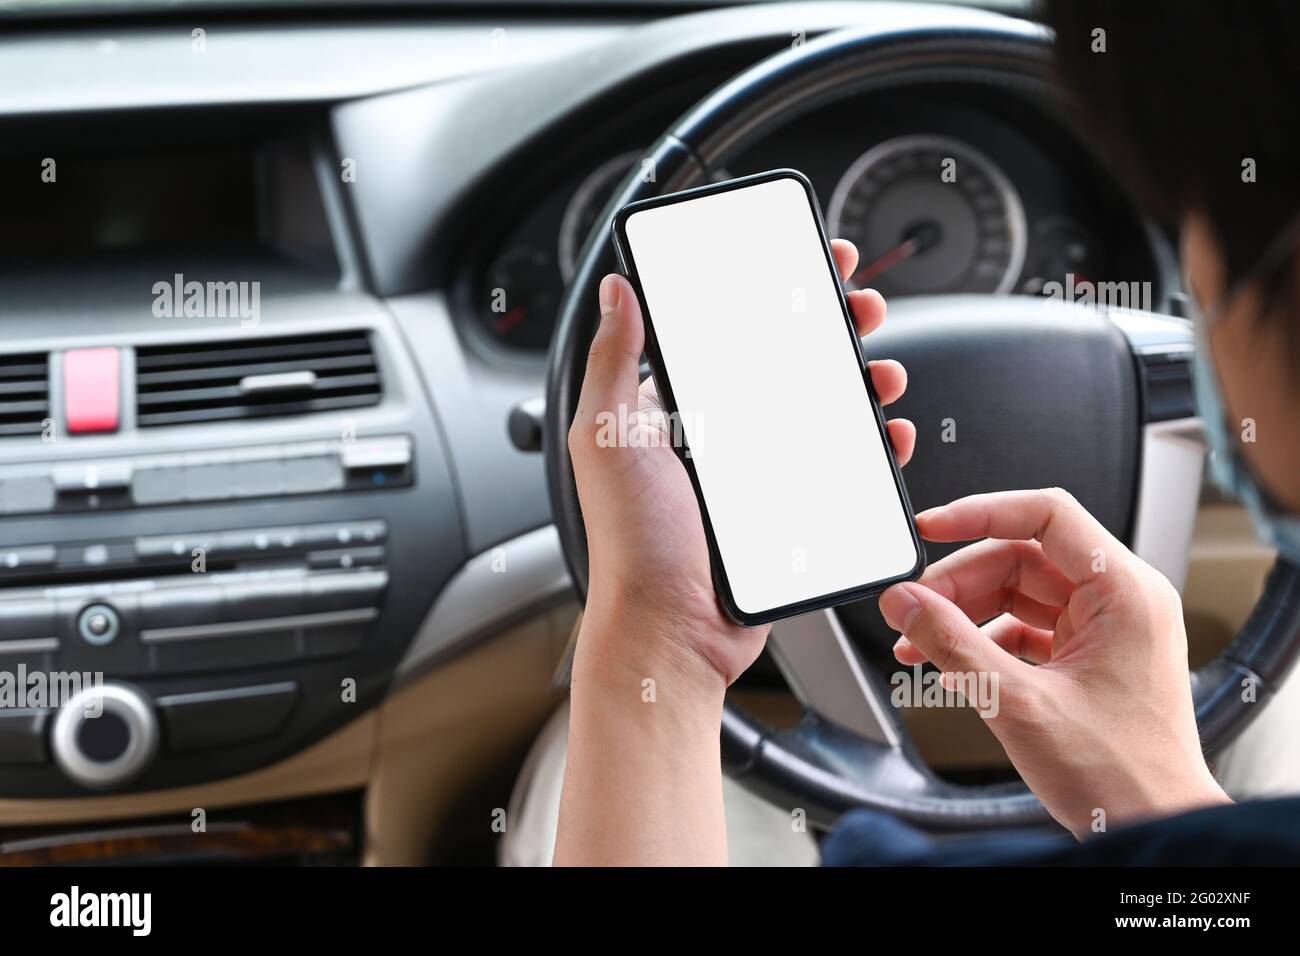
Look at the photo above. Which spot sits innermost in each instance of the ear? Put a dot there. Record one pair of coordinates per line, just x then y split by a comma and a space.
1202, 259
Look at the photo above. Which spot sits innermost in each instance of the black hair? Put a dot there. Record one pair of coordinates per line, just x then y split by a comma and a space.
1183, 96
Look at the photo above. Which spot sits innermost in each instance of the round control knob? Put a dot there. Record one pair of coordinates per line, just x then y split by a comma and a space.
104, 735
98, 624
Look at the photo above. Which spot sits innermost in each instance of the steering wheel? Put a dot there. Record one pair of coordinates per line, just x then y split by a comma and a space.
1103, 408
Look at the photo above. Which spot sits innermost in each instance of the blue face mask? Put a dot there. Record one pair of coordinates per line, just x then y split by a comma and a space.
1228, 466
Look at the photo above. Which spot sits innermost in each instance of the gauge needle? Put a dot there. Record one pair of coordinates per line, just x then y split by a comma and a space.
917, 239
904, 250
511, 318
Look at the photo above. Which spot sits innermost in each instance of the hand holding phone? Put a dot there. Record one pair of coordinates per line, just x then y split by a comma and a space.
649, 556
802, 502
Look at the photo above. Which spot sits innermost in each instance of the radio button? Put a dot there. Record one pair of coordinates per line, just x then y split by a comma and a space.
352, 589
28, 494
379, 453
94, 555
346, 558
223, 647
91, 477
272, 598
98, 625
285, 539
181, 607
158, 486
173, 546
256, 479
344, 535
35, 654
338, 637
27, 620
22, 559
258, 540
303, 476
215, 717
22, 736
215, 482
104, 735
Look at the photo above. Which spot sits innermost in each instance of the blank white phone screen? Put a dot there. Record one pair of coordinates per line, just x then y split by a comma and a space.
772, 403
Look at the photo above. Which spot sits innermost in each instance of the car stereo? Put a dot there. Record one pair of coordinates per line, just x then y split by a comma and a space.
224, 572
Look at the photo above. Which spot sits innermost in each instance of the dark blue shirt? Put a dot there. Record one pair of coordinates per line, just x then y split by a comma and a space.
1263, 833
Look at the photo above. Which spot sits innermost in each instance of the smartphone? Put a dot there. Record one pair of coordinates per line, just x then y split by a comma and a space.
761, 372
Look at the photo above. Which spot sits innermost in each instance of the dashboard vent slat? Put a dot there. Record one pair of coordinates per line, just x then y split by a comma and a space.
184, 384
24, 394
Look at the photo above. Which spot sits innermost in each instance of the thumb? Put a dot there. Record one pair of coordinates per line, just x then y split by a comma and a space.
611, 379
940, 631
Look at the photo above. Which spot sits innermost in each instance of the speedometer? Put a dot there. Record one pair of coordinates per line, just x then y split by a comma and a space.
930, 214
585, 207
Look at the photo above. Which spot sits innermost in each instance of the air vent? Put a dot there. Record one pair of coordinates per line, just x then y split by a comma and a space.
24, 394
217, 381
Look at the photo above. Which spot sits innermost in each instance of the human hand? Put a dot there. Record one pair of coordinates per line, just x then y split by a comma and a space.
648, 553
1105, 721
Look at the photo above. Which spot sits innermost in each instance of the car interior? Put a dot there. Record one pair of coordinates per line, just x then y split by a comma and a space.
296, 299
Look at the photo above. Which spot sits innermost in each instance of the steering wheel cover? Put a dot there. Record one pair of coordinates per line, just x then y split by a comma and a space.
1258, 659
818, 765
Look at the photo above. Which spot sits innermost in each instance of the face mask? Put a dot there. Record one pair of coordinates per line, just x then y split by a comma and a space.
1228, 467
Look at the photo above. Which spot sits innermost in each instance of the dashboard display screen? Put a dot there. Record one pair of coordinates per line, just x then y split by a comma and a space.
71, 205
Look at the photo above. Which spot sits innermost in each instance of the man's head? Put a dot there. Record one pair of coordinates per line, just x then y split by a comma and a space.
1195, 105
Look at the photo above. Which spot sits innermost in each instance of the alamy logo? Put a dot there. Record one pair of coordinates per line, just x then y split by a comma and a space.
645, 428
208, 300
921, 688
22, 689
1112, 295
74, 908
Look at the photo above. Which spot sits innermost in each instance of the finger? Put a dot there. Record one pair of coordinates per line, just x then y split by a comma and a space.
1072, 539
1064, 631
942, 633
1033, 644
868, 308
991, 567
907, 653
846, 257
1014, 636
611, 378
1006, 601
650, 391
889, 378
902, 435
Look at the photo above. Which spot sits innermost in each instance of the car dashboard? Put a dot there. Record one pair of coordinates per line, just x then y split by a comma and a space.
270, 293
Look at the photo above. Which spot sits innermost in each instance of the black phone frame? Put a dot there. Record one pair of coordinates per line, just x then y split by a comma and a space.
658, 369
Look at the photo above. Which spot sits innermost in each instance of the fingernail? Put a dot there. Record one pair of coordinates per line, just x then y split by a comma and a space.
901, 645
900, 606
610, 290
